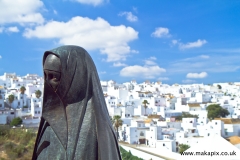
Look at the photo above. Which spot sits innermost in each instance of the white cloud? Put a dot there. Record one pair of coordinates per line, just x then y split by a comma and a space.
189, 81
204, 56
197, 75
12, 29
103, 72
91, 2
119, 64
135, 9
174, 42
130, 17
149, 62
161, 32
216, 63
21, 11
0, 57
90, 34
198, 43
55, 12
145, 72
153, 58
163, 78
134, 51
1, 29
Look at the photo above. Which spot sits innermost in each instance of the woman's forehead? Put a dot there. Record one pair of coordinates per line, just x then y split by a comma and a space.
53, 63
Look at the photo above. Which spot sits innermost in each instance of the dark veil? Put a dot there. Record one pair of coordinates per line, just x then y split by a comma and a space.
75, 122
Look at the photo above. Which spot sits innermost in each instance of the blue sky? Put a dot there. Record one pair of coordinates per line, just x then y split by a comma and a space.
172, 41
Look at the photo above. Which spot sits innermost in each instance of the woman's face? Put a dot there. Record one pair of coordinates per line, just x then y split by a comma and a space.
52, 71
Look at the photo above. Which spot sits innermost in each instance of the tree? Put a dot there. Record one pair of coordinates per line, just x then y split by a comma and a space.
216, 111
186, 115
117, 122
183, 147
16, 121
145, 102
219, 86
11, 98
22, 90
38, 93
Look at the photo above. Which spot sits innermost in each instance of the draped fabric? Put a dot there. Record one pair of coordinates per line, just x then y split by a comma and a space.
75, 123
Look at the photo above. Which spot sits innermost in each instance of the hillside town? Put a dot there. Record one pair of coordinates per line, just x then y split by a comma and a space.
152, 114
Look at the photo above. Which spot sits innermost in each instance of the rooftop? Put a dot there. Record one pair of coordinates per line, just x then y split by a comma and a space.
229, 120
234, 140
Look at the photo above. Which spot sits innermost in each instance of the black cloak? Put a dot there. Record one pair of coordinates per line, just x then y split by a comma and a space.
75, 122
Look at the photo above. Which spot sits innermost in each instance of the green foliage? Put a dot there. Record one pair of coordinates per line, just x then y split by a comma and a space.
111, 119
11, 98
128, 155
117, 122
186, 115
22, 89
183, 147
219, 86
16, 121
25, 106
145, 102
216, 111
17, 143
38, 93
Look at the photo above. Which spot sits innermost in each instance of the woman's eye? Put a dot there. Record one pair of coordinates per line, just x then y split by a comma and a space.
55, 78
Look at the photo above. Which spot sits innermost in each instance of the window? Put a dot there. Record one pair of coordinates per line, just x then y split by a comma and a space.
38, 112
163, 144
0, 105
215, 123
35, 112
141, 134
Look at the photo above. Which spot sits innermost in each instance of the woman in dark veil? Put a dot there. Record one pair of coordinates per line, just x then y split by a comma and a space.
75, 123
